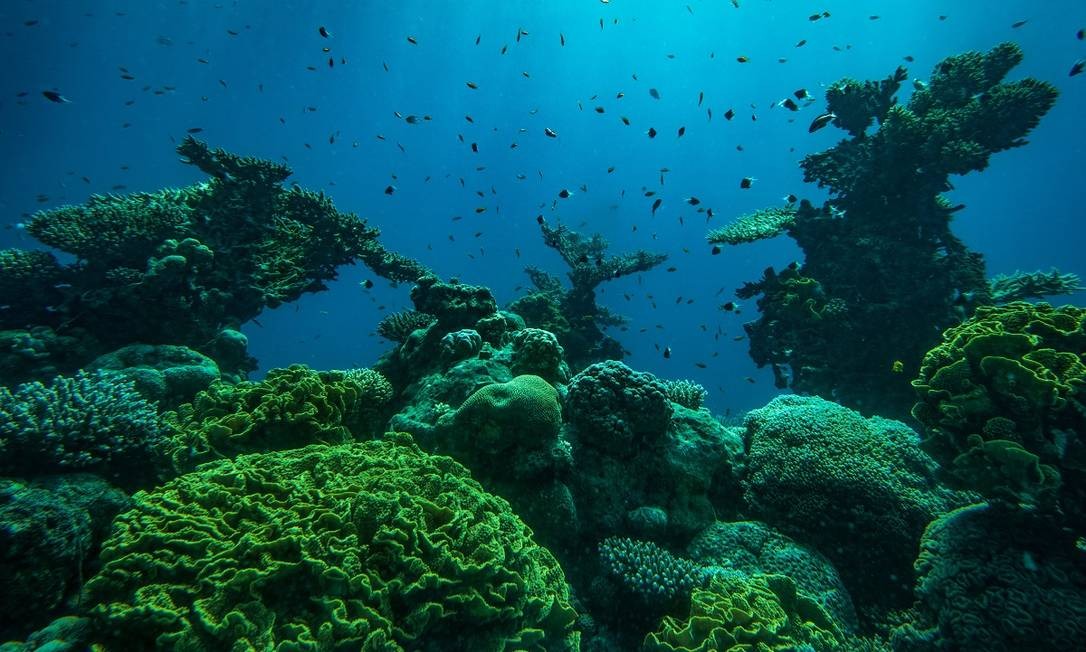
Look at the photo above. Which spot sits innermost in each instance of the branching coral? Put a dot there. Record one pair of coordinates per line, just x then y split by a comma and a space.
399, 325
883, 273
572, 314
759, 225
686, 393
88, 422
1021, 286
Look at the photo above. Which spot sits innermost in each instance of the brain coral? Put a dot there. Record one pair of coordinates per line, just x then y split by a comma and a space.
1002, 402
371, 546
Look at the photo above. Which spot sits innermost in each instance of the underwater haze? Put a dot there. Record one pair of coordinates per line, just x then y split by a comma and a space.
807, 388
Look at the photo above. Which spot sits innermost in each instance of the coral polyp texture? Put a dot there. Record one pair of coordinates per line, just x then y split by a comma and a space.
1002, 403
375, 546
759, 225
882, 272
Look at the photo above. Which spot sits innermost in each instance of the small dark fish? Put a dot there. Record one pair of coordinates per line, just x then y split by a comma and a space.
791, 199
715, 251
693, 201
789, 104
505, 48
1081, 34
390, 189
195, 130
480, 209
729, 114
539, 219
367, 284
562, 39
1018, 24
478, 38
667, 352
909, 58
625, 120
701, 96
599, 109
742, 59
1077, 68
610, 169
384, 65
821, 121
412, 40
746, 182
550, 133
801, 43
323, 31
801, 94
728, 307
656, 205
475, 147
472, 85
682, 130
53, 96
655, 94
411, 119
564, 194
651, 132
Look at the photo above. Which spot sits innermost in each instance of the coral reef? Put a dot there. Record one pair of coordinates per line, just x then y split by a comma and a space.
165, 374
753, 547
398, 326
1001, 403
373, 545
290, 408
1021, 286
538, 352
50, 530
759, 225
882, 271
616, 409
93, 421
650, 572
859, 490
686, 393
997, 580
464, 343
572, 314
748, 612
187, 261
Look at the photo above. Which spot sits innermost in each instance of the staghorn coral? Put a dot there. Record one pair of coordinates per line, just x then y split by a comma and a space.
760, 225
94, 421
882, 272
1001, 402
650, 572
393, 548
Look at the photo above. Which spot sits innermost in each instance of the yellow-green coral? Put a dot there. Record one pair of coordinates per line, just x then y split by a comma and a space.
365, 546
1001, 400
740, 613
759, 225
290, 408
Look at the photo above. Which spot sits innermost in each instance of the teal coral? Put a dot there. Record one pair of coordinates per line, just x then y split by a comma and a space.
859, 490
537, 352
759, 225
1022, 286
997, 581
737, 613
391, 548
1001, 400
650, 572
93, 421
398, 326
290, 408
686, 393
165, 374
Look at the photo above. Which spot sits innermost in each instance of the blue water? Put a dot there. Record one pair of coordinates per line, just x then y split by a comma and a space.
252, 97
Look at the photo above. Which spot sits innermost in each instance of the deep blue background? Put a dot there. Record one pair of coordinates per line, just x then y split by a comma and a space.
1025, 212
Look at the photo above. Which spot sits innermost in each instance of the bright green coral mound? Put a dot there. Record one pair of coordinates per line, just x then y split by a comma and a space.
760, 225
739, 612
1002, 400
290, 408
372, 546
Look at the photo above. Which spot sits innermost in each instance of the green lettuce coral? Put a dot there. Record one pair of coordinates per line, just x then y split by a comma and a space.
1002, 402
739, 612
290, 408
373, 546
